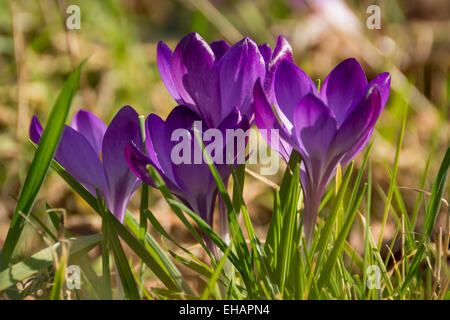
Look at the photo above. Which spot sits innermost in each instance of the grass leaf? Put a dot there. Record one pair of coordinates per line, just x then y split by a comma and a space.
431, 214
41, 162
44, 259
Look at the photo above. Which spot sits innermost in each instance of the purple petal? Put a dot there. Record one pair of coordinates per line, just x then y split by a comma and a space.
192, 183
315, 128
234, 120
219, 47
164, 58
282, 51
291, 85
232, 146
266, 52
383, 81
357, 126
123, 129
137, 161
239, 69
266, 121
197, 186
91, 127
313, 194
35, 129
181, 117
195, 77
79, 158
343, 87
159, 145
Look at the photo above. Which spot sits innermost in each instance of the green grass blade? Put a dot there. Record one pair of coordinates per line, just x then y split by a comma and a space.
58, 281
160, 263
289, 224
274, 231
206, 228
152, 255
239, 179
339, 243
367, 255
359, 176
419, 197
328, 228
126, 275
237, 235
44, 259
161, 185
432, 211
194, 264
41, 162
392, 182
215, 276
97, 284
286, 181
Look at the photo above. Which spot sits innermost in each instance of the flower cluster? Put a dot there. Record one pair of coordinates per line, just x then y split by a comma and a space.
226, 87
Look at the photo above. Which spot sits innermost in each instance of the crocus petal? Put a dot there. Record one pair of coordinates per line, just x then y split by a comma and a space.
79, 158
181, 117
123, 129
233, 148
290, 86
183, 179
383, 82
163, 59
266, 121
239, 69
189, 181
219, 47
35, 130
282, 51
138, 162
313, 195
266, 52
184, 175
315, 127
357, 125
195, 77
342, 87
91, 127
197, 186
159, 146
77, 155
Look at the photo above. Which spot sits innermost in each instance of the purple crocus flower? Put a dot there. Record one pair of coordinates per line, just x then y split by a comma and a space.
94, 155
191, 181
213, 79
326, 128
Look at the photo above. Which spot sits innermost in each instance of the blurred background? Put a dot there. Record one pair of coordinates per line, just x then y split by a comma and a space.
37, 52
